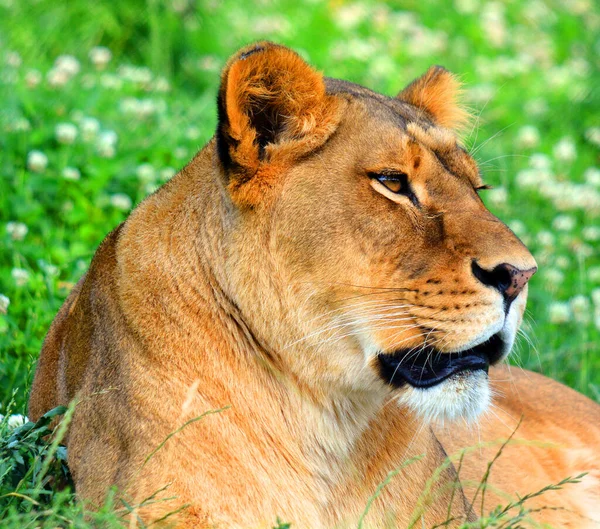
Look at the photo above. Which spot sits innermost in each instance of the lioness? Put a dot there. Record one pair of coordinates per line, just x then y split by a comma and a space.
325, 275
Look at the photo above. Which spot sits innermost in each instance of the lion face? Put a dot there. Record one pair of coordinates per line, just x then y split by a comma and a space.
368, 259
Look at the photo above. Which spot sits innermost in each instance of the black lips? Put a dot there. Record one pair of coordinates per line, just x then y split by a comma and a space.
427, 367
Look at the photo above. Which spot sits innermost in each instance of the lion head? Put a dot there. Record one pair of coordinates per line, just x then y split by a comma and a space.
358, 247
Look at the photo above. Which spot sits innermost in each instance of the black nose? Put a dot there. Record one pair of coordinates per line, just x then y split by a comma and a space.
505, 278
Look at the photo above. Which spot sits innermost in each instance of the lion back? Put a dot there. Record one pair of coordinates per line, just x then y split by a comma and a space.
64, 355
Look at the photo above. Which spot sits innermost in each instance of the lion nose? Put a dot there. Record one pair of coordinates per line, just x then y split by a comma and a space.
506, 278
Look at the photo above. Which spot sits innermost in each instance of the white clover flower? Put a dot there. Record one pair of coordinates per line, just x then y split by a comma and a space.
68, 64
497, 196
593, 135
162, 85
142, 108
382, 67
559, 312
349, 16
16, 420
578, 7
192, 133
593, 274
150, 188
421, 43
493, 23
209, 63
528, 137
545, 238
481, 93
527, 178
271, 25
180, 6
4, 303
37, 161
89, 128
536, 107
121, 201
592, 176
582, 250
21, 125
20, 276
564, 223
111, 81
146, 173
554, 277
77, 115
149, 107
136, 74
71, 173
107, 151
65, 133
466, 7
597, 318
595, 295
13, 59
518, 227
100, 56
129, 105
57, 78
33, 78
565, 150
16, 230
106, 143
108, 137
591, 233
180, 152
562, 261
581, 308
167, 173
540, 161
49, 269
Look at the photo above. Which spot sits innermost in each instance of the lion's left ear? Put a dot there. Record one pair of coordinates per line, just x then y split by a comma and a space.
437, 93
273, 109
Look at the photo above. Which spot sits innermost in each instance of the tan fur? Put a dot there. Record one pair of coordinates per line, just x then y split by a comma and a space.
263, 280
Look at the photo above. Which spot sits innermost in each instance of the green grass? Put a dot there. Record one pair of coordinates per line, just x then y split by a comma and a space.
531, 76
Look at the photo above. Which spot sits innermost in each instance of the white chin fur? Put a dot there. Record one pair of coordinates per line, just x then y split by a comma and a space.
465, 395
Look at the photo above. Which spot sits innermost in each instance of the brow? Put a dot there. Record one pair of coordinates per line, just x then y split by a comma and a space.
460, 165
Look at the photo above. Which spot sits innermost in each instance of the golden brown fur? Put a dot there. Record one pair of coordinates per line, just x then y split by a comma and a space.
265, 280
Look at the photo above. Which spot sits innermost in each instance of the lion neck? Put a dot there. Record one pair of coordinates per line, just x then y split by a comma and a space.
210, 342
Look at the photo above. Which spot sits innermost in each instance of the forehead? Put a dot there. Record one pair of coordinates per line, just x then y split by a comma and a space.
407, 130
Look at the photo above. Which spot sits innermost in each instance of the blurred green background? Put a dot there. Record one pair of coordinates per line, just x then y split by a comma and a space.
101, 102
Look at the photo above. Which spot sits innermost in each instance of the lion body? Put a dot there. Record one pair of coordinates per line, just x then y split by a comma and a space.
176, 328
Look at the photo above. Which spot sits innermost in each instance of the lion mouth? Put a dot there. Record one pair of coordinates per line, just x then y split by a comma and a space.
429, 367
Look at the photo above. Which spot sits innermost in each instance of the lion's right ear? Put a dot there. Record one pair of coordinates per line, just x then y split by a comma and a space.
437, 93
272, 109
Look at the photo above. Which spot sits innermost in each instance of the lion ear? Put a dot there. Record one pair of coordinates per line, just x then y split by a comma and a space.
273, 108
437, 93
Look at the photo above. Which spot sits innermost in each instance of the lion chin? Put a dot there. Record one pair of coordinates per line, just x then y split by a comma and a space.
466, 395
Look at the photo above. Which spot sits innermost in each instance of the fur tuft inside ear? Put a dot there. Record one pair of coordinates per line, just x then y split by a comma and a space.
272, 109
437, 93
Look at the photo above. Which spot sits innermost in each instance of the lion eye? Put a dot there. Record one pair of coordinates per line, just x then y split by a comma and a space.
393, 185
396, 183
